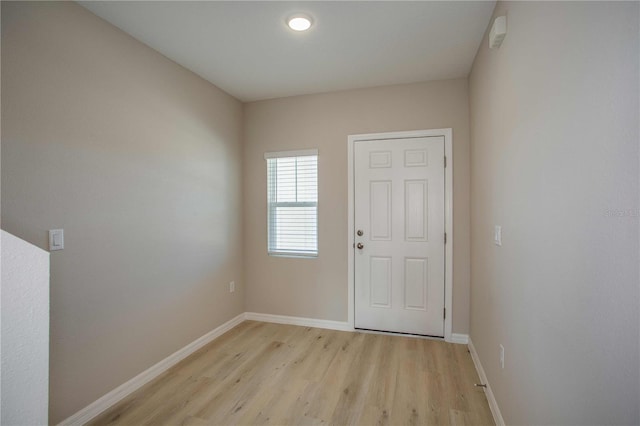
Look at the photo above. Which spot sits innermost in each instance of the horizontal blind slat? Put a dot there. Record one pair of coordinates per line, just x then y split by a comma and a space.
292, 196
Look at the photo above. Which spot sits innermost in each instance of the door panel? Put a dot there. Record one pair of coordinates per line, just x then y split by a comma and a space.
399, 207
415, 284
380, 210
415, 210
380, 282
379, 159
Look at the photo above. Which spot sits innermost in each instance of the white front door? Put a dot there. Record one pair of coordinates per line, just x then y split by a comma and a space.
399, 200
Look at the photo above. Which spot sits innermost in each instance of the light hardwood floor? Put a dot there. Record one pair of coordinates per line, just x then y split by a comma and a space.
260, 373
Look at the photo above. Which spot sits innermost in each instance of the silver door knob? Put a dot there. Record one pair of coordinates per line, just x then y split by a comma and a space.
360, 246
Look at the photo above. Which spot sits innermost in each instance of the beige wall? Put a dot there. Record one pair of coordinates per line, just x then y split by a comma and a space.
317, 288
554, 130
139, 160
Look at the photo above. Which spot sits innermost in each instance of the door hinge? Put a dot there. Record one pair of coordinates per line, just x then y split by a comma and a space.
444, 313
445, 238
445, 161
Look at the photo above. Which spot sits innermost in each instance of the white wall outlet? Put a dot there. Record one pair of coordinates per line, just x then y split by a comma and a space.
501, 356
497, 235
56, 239
232, 286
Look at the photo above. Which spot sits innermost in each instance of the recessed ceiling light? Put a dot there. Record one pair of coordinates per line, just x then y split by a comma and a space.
299, 23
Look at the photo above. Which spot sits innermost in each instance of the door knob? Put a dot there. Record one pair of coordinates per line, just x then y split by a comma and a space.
360, 246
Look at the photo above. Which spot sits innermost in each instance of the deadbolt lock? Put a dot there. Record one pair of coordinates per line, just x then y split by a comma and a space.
360, 233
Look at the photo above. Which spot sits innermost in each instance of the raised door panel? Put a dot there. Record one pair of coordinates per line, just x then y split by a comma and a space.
415, 158
379, 159
380, 282
380, 210
415, 200
416, 283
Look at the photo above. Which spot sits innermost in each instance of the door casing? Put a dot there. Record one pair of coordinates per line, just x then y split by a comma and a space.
448, 203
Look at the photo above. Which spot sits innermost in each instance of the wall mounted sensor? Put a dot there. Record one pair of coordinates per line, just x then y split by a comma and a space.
498, 31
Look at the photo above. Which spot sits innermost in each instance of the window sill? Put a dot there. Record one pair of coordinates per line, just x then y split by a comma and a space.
294, 256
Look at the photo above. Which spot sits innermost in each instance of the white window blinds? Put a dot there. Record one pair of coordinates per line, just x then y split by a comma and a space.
292, 203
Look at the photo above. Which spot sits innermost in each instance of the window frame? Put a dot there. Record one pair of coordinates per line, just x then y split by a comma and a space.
271, 206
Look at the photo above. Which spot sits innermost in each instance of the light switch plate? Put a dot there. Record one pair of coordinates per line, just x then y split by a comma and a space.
497, 235
56, 239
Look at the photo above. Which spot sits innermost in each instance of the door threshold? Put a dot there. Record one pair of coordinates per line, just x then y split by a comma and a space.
397, 333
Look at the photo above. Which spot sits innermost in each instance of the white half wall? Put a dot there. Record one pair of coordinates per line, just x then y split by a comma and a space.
25, 333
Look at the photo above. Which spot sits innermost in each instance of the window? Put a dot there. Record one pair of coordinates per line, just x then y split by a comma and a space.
292, 203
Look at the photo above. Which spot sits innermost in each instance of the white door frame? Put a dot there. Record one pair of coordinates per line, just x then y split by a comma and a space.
448, 203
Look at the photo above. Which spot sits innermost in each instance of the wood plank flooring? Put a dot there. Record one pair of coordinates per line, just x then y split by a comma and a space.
260, 373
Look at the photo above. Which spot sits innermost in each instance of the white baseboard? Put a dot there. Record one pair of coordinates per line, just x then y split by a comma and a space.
461, 339
493, 404
305, 322
100, 405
